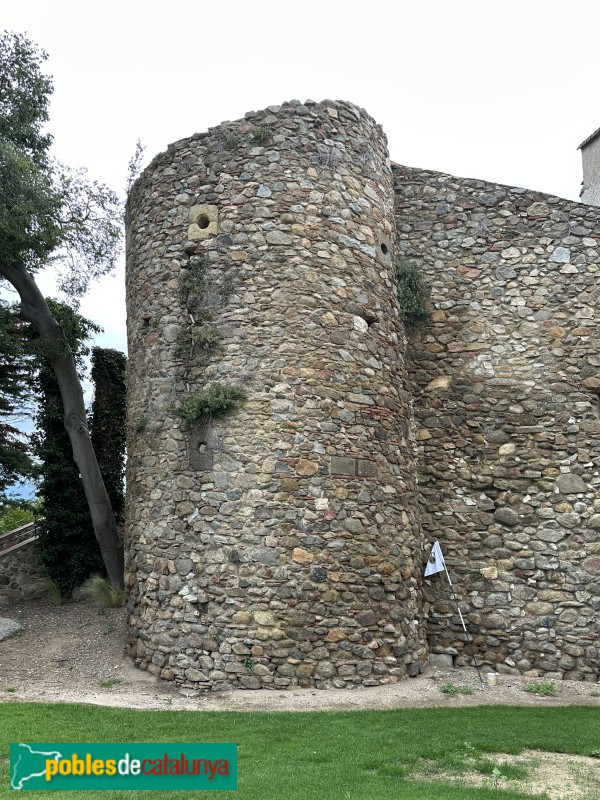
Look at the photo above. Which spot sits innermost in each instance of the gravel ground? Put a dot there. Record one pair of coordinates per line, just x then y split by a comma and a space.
76, 654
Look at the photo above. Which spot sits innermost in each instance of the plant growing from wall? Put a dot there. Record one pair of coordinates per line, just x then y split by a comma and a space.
201, 295
201, 340
140, 425
229, 140
134, 166
260, 134
216, 401
108, 421
413, 295
198, 342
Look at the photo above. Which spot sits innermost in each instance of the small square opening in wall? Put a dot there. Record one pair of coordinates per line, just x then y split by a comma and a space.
204, 222
203, 442
384, 250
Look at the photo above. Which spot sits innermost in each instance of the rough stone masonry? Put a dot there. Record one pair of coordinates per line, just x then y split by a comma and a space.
279, 545
283, 544
506, 387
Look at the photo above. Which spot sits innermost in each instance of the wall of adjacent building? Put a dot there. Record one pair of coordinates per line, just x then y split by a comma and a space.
590, 157
506, 387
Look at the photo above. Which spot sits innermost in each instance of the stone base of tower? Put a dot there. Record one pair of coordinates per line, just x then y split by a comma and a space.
264, 658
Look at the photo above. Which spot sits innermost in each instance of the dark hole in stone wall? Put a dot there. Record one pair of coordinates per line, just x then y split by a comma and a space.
200, 450
203, 221
370, 318
383, 251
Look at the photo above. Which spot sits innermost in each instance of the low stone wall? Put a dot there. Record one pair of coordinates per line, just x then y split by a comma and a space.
20, 575
506, 394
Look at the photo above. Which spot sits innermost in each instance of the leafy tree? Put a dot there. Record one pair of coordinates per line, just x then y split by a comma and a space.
66, 543
15, 384
108, 421
15, 463
15, 512
51, 214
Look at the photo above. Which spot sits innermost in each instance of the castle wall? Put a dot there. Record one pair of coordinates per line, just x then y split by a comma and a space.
279, 545
506, 388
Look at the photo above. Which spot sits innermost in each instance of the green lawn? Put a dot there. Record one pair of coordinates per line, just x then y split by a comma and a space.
319, 756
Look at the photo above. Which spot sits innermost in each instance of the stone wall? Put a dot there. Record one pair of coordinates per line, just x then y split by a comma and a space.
506, 388
20, 575
280, 545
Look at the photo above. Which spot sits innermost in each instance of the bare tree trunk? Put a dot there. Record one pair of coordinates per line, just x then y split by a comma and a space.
34, 309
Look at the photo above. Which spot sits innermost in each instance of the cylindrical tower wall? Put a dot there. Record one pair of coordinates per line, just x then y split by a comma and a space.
277, 545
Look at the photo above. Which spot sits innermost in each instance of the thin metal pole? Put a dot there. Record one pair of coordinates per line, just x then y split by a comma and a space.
469, 640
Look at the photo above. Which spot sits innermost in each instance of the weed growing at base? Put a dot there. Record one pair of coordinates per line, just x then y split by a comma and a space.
103, 593
542, 689
451, 690
109, 683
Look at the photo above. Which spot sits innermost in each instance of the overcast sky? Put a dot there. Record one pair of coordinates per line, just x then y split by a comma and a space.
504, 91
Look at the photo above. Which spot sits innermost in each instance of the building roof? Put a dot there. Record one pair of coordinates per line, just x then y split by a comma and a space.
589, 139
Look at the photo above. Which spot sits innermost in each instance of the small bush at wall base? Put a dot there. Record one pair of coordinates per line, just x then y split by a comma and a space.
103, 593
216, 401
413, 295
53, 591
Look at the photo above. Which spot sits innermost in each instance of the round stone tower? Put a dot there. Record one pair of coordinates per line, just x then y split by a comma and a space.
272, 530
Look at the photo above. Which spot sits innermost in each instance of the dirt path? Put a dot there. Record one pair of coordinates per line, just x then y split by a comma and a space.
74, 654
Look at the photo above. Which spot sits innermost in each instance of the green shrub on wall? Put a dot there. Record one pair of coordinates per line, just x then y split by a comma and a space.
216, 401
413, 295
197, 343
